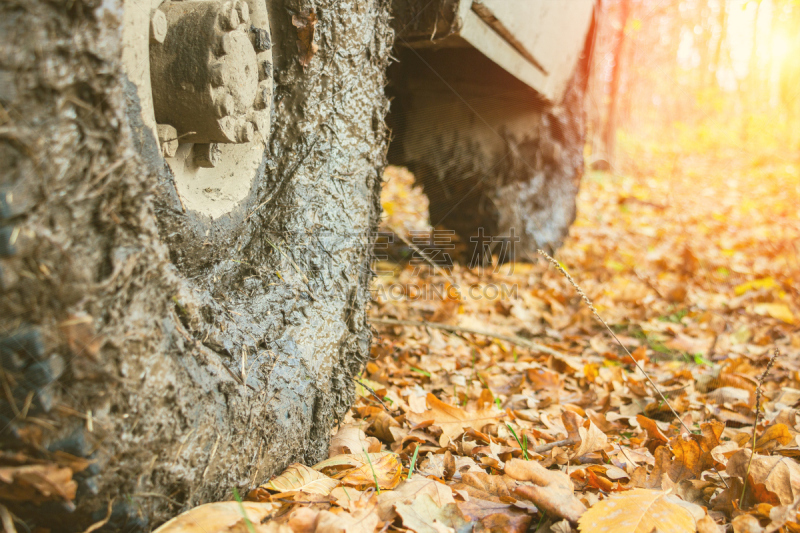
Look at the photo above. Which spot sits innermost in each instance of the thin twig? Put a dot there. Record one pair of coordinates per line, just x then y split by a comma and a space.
550, 445
513, 339
439, 270
374, 394
758, 412
589, 304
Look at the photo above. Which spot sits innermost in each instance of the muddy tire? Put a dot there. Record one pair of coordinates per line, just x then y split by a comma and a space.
184, 353
490, 154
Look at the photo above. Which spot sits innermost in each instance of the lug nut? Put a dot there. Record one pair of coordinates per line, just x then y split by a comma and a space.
229, 18
261, 122
243, 10
262, 96
168, 139
219, 75
245, 132
207, 155
225, 106
264, 70
260, 39
158, 27
225, 45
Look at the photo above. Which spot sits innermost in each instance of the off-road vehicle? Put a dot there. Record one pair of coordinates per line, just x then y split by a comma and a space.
188, 195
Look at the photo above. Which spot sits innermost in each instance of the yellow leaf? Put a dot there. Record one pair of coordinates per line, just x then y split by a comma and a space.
300, 478
763, 283
219, 517
775, 434
354, 470
638, 511
778, 311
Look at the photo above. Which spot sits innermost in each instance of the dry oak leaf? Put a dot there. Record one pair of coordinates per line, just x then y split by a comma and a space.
360, 470
300, 478
37, 483
352, 439
221, 517
363, 520
410, 489
552, 491
495, 516
497, 486
773, 436
305, 23
424, 516
453, 420
638, 511
780, 475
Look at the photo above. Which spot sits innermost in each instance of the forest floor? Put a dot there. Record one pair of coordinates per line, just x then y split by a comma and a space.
545, 421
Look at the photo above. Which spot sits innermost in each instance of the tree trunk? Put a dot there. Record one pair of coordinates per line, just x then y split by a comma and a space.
610, 126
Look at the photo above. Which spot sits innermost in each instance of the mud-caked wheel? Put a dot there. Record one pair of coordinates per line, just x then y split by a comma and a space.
188, 194
500, 164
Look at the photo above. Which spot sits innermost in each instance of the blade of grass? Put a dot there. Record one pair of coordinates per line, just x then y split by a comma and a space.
523, 448
374, 475
413, 462
247, 521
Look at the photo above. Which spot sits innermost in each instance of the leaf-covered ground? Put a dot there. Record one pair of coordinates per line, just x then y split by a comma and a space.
543, 422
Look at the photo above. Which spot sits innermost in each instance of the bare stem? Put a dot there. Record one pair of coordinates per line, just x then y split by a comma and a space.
758, 413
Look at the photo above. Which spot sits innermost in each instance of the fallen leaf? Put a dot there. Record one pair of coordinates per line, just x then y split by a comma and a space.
406, 491
423, 516
453, 420
638, 511
778, 311
352, 439
305, 23
386, 467
776, 434
552, 490
37, 483
363, 520
221, 517
780, 475
746, 524
298, 478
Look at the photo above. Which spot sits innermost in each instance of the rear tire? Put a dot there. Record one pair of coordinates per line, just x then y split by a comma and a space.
197, 354
491, 155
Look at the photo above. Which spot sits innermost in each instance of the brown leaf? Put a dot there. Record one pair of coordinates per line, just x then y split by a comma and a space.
305, 23
406, 491
552, 490
453, 420
780, 475
746, 524
495, 516
663, 463
385, 466
221, 517
297, 478
352, 439
363, 520
638, 511
37, 483
499, 486
423, 515
654, 433
776, 434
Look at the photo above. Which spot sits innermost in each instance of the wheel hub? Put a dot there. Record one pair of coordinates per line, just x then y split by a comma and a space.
203, 72
205, 75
